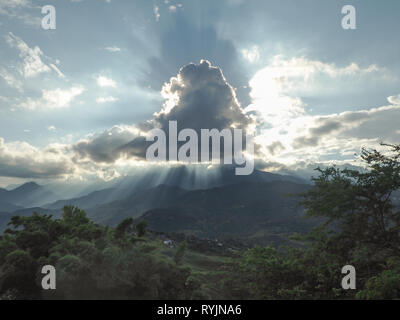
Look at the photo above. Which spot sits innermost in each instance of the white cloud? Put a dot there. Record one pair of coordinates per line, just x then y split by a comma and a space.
19, 159
23, 10
113, 49
289, 135
394, 99
54, 67
156, 11
174, 7
22, 160
252, 55
14, 3
106, 99
32, 64
53, 99
331, 139
10, 79
277, 88
11, 7
103, 81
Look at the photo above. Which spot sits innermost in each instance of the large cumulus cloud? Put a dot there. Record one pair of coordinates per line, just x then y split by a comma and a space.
199, 97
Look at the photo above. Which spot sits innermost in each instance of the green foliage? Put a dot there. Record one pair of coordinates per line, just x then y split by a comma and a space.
385, 285
359, 203
180, 253
92, 262
123, 227
141, 228
361, 227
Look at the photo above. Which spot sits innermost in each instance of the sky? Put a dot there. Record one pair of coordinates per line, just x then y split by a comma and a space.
76, 101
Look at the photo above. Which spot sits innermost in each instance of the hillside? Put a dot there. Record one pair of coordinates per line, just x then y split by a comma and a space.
136, 204
179, 176
90, 200
245, 210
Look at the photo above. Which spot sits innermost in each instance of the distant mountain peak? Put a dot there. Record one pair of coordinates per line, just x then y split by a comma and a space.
27, 186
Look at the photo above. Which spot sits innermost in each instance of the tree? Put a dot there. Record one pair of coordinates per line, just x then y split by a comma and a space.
141, 228
360, 227
74, 216
358, 203
92, 261
123, 227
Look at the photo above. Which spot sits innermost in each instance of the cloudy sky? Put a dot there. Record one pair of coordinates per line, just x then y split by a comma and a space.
75, 101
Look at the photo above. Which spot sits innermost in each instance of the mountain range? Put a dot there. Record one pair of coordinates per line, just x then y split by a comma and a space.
262, 205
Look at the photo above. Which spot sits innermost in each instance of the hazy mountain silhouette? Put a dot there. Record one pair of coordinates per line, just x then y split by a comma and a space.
215, 202
248, 209
181, 177
27, 195
136, 204
88, 201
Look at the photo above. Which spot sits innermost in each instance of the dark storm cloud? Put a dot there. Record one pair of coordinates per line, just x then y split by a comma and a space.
104, 147
135, 148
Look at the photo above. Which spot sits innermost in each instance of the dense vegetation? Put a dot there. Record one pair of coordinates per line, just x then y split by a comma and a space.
92, 262
361, 227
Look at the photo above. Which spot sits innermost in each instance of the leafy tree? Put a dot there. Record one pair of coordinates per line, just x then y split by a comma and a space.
359, 203
385, 285
123, 227
92, 262
360, 226
141, 228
